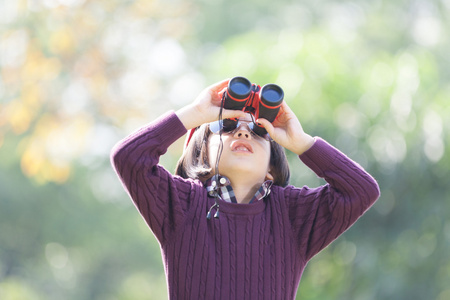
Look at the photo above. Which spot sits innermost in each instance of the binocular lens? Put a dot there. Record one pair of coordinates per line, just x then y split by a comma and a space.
272, 95
239, 87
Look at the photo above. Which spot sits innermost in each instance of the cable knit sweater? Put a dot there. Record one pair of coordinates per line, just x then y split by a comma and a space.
253, 251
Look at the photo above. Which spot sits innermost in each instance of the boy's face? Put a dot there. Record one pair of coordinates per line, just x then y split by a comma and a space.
244, 154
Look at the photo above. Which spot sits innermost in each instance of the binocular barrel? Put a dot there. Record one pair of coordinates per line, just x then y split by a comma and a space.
238, 92
271, 98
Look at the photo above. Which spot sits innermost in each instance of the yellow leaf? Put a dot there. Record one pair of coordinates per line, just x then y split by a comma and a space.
32, 161
20, 117
62, 41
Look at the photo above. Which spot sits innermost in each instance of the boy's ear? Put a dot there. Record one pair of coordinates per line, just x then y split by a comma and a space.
269, 176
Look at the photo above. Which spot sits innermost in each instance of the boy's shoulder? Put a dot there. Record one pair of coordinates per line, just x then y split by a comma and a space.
291, 193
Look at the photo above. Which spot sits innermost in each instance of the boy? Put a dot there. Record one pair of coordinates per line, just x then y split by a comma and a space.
267, 230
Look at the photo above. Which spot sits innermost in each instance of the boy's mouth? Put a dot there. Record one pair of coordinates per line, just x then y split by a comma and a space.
241, 146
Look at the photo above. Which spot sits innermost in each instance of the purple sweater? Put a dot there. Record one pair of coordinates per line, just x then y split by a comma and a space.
253, 251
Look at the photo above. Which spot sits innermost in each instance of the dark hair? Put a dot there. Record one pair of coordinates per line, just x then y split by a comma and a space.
194, 162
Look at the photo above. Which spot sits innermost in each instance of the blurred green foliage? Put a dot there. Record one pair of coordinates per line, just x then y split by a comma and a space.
371, 77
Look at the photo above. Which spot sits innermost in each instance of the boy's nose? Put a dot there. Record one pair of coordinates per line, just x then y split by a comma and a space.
243, 132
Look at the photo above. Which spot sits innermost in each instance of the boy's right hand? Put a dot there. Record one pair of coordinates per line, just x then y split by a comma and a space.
206, 107
287, 131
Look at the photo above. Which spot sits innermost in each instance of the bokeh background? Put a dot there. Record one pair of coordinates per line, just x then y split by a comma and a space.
371, 77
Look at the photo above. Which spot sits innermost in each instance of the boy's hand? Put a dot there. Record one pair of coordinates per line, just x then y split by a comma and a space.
206, 107
287, 131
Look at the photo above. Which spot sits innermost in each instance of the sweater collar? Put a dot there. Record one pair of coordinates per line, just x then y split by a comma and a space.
222, 186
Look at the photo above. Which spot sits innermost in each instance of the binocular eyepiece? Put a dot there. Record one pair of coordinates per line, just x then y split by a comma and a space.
263, 102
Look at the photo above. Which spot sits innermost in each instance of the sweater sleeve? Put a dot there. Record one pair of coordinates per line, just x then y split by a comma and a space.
160, 197
320, 215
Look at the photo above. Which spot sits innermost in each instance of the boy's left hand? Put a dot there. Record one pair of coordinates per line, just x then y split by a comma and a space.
287, 131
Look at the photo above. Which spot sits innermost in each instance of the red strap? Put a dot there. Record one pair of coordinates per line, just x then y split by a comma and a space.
189, 136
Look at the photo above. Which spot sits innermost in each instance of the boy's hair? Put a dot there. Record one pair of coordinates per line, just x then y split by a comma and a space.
194, 162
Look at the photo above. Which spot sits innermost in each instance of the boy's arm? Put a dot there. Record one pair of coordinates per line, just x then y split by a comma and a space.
320, 215
154, 191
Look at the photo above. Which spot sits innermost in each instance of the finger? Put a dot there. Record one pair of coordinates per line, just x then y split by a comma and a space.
217, 97
229, 113
285, 113
285, 108
218, 86
223, 91
267, 125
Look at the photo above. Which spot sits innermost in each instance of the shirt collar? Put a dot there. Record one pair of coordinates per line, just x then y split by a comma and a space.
222, 186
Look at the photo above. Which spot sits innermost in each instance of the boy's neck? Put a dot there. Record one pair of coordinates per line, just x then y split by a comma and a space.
243, 189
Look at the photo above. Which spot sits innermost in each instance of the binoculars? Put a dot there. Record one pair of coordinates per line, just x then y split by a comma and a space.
263, 102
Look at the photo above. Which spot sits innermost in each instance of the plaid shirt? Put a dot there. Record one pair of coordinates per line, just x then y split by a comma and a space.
226, 192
